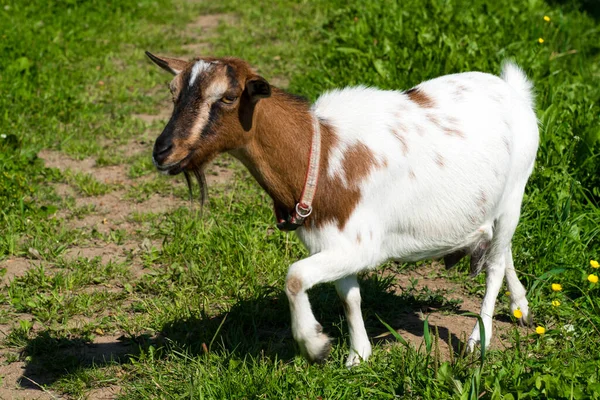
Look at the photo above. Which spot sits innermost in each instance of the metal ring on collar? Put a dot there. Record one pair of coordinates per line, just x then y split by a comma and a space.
299, 213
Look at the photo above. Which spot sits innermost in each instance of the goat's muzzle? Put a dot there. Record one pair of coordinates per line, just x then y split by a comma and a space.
161, 154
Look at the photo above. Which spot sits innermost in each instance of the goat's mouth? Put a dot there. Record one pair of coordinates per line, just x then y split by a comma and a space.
176, 167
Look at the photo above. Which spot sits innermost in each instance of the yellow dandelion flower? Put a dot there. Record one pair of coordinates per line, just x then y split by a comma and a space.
593, 278
540, 330
518, 313
540, 40
557, 287
546, 18
594, 264
555, 303
507, 293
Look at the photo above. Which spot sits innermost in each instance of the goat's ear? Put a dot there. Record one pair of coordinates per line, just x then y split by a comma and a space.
258, 88
171, 65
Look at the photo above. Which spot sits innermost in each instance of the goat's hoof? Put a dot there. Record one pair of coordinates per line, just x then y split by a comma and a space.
471, 343
353, 360
527, 320
318, 349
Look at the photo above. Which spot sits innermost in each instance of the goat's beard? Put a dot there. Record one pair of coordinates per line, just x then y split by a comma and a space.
198, 173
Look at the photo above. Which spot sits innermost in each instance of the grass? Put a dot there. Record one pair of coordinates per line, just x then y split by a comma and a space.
197, 300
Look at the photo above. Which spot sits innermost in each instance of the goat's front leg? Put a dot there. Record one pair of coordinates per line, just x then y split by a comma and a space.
349, 292
302, 275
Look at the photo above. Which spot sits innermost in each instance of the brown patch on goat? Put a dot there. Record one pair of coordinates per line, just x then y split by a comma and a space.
402, 140
435, 120
357, 163
335, 199
439, 160
453, 132
411, 174
419, 97
294, 285
459, 91
482, 198
358, 238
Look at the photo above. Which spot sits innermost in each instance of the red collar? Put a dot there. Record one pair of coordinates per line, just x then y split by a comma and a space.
287, 221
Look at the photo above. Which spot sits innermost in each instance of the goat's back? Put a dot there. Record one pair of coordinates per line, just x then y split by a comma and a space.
448, 157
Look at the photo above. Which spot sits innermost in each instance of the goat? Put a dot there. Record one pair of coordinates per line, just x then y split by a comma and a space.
435, 171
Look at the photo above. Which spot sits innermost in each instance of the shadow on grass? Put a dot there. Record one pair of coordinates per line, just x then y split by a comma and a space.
48, 357
257, 327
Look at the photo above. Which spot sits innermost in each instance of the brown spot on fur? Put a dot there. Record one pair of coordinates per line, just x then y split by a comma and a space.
420, 98
294, 285
358, 238
411, 174
435, 120
482, 197
357, 163
453, 132
402, 140
439, 160
459, 91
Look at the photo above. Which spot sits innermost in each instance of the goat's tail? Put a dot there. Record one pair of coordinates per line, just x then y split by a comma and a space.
516, 78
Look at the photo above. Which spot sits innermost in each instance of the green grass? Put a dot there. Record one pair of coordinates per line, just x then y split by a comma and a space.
207, 317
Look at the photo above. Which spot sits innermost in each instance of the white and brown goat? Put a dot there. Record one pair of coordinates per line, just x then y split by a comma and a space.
435, 171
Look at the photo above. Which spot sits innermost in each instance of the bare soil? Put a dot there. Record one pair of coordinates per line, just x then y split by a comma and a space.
453, 327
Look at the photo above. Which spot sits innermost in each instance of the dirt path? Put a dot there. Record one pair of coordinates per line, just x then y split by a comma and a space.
109, 212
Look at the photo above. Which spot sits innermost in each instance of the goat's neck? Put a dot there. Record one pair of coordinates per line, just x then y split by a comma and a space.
277, 155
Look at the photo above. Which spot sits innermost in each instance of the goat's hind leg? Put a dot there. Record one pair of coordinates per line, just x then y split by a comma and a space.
360, 347
517, 292
494, 276
498, 258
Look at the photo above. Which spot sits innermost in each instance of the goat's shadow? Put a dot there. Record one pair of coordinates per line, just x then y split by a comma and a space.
259, 327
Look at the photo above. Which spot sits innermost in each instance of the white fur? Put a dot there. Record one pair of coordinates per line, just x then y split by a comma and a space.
415, 208
199, 67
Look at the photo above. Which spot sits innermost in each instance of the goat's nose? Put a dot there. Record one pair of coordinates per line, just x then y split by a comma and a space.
162, 149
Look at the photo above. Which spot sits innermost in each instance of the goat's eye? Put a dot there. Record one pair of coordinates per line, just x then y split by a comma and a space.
228, 99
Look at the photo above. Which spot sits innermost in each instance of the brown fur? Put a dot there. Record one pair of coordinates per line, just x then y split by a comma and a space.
402, 140
439, 160
419, 97
294, 285
336, 201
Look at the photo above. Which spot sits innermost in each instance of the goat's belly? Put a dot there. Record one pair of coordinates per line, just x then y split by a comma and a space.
404, 246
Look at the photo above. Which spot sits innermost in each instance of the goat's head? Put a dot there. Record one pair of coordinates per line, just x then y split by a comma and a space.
213, 107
